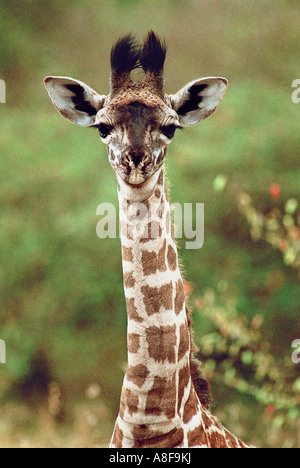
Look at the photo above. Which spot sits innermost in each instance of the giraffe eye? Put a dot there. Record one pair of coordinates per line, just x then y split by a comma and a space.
169, 130
104, 130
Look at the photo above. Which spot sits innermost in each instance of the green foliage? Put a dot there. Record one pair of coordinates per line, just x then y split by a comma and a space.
237, 355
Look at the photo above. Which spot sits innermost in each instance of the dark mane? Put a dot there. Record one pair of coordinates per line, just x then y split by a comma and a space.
153, 54
125, 55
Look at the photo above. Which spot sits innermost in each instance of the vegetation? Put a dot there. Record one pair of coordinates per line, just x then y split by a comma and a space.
62, 311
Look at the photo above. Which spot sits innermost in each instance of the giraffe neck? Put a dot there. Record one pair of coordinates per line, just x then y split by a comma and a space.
159, 405
158, 335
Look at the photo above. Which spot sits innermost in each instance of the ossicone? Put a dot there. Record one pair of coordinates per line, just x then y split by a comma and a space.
127, 54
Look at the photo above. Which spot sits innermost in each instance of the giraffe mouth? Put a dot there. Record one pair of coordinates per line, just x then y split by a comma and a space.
136, 178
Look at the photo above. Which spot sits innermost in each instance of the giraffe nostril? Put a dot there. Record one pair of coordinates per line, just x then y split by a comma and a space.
127, 159
135, 159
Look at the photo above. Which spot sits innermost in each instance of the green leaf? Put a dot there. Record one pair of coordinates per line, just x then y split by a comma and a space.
247, 358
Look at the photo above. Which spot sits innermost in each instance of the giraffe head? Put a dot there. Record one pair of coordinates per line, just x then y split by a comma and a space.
136, 121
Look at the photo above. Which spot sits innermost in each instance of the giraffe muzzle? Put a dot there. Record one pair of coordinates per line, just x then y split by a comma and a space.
135, 159
135, 166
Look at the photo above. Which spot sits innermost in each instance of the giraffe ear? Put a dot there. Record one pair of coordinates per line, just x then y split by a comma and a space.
74, 100
198, 99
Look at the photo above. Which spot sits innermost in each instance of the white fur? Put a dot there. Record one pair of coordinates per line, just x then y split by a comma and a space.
61, 98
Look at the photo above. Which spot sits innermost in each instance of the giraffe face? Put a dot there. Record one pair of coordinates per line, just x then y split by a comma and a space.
137, 137
136, 121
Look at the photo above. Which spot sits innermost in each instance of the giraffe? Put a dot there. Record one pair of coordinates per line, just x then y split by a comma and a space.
165, 401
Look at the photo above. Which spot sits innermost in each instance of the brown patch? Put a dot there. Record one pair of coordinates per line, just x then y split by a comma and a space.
153, 261
172, 258
137, 374
158, 193
129, 401
129, 280
133, 343
147, 438
161, 210
233, 442
162, 397
162, 258
161, 178
132, 310
184, 344
184, 377
207, 421
197, 437
161, 343
190, 408
153, 404
179, 299
217, 440
149, 262
155, 298
118, 437
127, 254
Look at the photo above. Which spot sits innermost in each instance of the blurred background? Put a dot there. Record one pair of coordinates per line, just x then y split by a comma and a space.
62, 310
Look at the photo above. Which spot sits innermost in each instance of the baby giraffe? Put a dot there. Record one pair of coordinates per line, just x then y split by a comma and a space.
164, 400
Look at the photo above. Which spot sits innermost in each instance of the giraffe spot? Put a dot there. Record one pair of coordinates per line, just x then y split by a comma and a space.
180, 298
207, 421
197, 437
129, 280
127, 254
161, 178
145, 437
118, 437
184, 343
217, 440
162, 258
172, 258
132, 310
156, 298
133, 343
153, 261
190, 408
161, 343
161, 210
162, 397
184, 378
154, 397
233, 442
149, 262
129, 402
137, 374
158, 193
